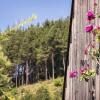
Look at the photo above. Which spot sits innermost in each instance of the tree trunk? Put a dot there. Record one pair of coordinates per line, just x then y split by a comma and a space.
22, 79
27, 79
64, 62
53, 72
46, 70
16, 81
17, 76
38, 73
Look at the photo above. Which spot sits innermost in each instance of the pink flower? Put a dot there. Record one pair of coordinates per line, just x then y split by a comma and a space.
95, 4
89, 28
90, 15
85, 51
73, 74
92, 45
83, 70
98, 27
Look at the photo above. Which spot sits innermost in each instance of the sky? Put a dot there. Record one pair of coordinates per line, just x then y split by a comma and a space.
12, 11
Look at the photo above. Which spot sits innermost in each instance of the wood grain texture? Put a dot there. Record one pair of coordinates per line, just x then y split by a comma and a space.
77, 90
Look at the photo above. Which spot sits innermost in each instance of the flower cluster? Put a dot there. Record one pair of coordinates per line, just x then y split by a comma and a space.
95, 30
85, 73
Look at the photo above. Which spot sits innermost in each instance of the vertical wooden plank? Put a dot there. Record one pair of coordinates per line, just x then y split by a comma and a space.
74, 50
97, 76
99, 47
77, 90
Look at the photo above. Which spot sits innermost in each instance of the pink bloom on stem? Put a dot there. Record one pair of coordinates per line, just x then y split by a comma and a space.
83, 70
85, 51
90, 15
89, 28
95, 4
73, 74
98, 27
93, 46
88, 65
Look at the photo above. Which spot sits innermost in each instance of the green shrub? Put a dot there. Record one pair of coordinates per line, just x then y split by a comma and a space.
23, 90
4, 98
1, 93
58, 94
14, 92
27, 96
58, 82
42, 94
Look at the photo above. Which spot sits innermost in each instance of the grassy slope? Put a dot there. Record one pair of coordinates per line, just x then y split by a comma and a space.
49, 84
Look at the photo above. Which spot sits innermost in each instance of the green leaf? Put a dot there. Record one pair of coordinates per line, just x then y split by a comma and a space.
98, 16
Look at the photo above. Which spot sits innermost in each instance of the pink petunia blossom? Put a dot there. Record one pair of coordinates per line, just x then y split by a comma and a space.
73, 74
90, 15
83, 70
89, 28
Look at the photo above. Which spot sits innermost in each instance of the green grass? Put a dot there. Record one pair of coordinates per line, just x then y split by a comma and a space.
53, 87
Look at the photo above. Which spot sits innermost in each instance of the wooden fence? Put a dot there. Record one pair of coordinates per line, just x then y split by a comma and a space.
76, 89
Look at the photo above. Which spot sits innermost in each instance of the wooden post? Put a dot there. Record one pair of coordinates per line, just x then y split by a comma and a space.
74, 88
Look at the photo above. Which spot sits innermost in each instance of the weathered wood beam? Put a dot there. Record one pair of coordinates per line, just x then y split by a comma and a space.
68, 45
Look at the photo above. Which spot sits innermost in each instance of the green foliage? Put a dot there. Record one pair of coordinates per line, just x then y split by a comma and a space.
4, 66
98, 16
35, 92
4, 62
98, 38
27, 96
87, 74
42, 94
4, 98
58, 82
36, 44
58, 94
